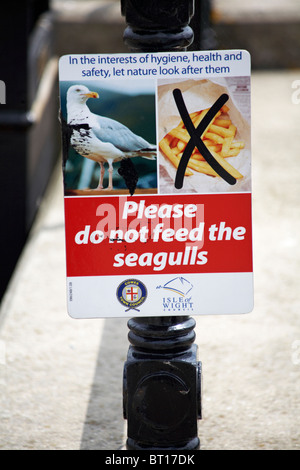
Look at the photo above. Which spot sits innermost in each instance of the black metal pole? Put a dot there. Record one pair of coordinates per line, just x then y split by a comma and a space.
201, 23
162, 376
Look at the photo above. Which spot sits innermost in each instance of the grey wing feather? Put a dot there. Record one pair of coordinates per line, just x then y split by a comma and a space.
120, 136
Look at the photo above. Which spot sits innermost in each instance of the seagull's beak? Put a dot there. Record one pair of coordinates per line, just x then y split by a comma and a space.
91, 94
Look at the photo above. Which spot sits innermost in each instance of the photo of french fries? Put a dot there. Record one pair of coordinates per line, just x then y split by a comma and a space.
219, 138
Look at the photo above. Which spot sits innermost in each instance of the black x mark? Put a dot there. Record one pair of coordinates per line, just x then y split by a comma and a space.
195, 140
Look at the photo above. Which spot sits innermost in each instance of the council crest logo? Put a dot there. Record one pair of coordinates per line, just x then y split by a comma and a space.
131, 293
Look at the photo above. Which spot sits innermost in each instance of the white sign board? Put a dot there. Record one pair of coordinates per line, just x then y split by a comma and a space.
157, 183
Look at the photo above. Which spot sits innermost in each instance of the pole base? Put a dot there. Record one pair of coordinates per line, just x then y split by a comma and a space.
193, 444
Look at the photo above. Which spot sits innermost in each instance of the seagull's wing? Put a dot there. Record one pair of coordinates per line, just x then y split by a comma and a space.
120, 136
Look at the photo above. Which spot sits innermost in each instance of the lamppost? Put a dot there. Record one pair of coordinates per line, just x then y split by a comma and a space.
162, 375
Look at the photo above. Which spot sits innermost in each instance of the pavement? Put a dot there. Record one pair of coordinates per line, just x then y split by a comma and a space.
61, 379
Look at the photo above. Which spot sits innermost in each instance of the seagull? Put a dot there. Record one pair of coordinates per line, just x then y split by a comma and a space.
100, 138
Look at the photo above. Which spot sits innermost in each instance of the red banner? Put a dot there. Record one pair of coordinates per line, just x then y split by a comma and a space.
138, 235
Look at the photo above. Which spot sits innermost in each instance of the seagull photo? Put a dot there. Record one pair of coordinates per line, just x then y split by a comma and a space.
102, 139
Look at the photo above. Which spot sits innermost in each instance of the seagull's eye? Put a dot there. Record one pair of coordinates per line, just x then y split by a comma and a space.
78, 89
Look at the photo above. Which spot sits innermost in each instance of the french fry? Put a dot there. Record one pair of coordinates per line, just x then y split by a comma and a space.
214, 137
226, 146
232, 153
223, 122
181, 145
213, 146
201, 167
199, 118
232, 129
208, 142
225, 108
222, 131
237, 145
229, 168
181, 134
174, 159
218, 137
193, 116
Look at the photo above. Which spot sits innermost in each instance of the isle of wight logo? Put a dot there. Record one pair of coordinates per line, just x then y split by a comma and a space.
178, 300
